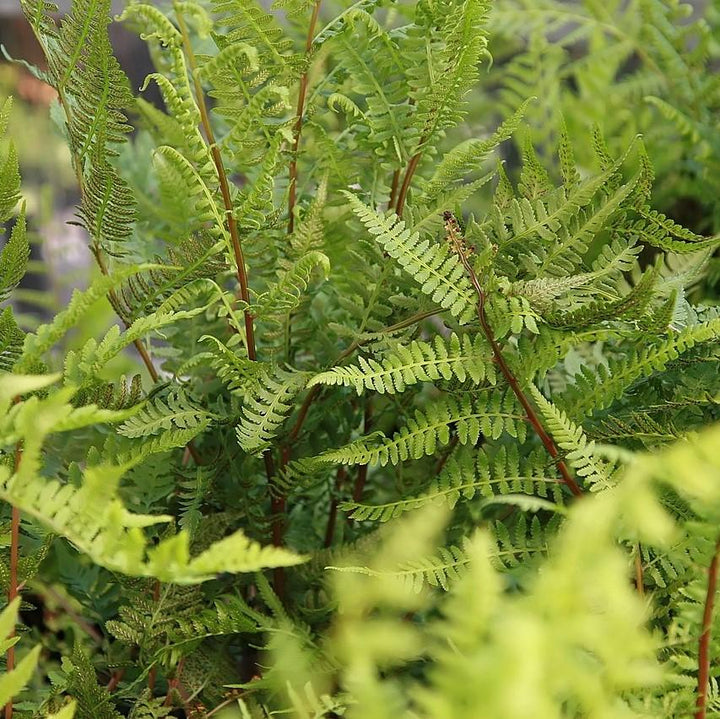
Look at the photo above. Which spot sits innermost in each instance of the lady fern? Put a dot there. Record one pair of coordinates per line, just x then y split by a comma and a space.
359, 330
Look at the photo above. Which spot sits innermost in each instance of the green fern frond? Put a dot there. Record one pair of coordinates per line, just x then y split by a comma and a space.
148, 708
251, 25
432, 265
526, 541
575, 235
522, 221
468, 155
95, 95
285, 295
93, 700
660, 231
450, 68
14, 681
82, 365
469, 473
595, 392
46, 336
237, 372
254, 208
157, 415
631, 306
133, 452
597, 473
179, 172
438, 570
491, 414
11, 340
197, 257
13, 258
9, 170
406, 365
112, 395
95, 521
230, 615
266, 406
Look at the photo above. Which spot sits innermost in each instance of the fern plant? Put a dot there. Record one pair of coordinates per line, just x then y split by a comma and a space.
394, 440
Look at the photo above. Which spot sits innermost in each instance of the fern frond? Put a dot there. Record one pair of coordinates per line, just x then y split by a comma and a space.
110, 395
175, 411
14, 681
237, 372
251, 25
14, 257
450, 68
95, 94
433, 266
83, 365
230, 615
575, 235
9, 170
267, 404
93, 699
491, 414
597, 473
632, 305
11, 340
466, 474
596, 392
438, 570
195, 258
660, 231
285, 295
406, 365
47, 335
93, 518
468, 156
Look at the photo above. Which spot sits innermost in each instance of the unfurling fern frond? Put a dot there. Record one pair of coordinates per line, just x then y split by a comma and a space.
432, 265
406, 365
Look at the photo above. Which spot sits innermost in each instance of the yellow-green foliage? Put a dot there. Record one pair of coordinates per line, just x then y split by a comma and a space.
411, 425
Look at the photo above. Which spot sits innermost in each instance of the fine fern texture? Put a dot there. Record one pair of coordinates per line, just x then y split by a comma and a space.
408, 404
